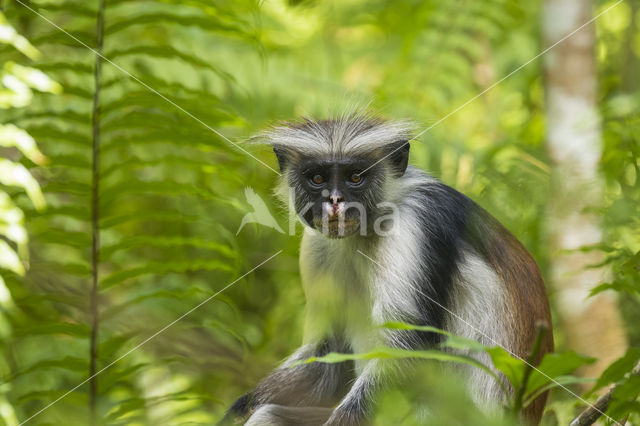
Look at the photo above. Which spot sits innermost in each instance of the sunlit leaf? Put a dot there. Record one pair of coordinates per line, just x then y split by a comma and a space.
14, 174
8, 35
9, 259
34, 78
11, 135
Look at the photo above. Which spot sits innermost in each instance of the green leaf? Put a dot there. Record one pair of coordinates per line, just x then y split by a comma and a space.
120, 374
452, 341
59, 38
78, 91
33, 78
109, 195
15, 174
78, 212
60, 186
165, 268
77, 399
206, 23
76, 67
623, 400
168, 52
124, 408
555, 365
9, 258
144, 119
171, 294
69, 363
78, 240
511, 367
384, 352
78, 269
66, 328
174, 88
207, 110
70, 160
146, 216
54, 133
12, 136
70, 116
160, 241
558, 381
74, 9
167, 160
617, 370
34, 301
110, 347
8, 35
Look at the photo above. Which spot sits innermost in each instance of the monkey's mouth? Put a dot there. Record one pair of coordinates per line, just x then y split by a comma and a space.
337, 227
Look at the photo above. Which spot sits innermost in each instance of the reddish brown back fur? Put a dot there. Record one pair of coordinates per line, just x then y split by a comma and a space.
525, 289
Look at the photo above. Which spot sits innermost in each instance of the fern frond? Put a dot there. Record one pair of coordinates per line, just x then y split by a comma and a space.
203, 22
155, 241
146, 216
167, 52
165, 268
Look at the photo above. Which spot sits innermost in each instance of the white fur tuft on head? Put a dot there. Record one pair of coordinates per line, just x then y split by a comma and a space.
349, 134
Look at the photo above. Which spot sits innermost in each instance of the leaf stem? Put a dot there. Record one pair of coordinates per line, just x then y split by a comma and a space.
95, 216
531, 360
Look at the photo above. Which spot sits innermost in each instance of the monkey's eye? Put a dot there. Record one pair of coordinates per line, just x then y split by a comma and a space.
317, 179
355, 178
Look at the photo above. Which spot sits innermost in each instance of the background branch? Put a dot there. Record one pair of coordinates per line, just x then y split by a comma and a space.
591, 414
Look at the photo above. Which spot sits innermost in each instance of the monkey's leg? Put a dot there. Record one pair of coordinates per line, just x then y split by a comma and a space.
357, 405
280, 415
303, 385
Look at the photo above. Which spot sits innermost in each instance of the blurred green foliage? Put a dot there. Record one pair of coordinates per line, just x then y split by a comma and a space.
171, 191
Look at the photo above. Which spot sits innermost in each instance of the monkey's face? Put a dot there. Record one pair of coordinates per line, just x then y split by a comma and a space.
335, 196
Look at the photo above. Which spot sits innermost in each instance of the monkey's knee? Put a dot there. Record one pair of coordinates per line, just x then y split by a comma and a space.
280, 415
238, 412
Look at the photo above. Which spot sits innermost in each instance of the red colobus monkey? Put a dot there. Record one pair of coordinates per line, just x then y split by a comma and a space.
387, 242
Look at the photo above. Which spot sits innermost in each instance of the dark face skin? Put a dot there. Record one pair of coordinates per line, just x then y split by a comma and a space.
336, 198
334, 195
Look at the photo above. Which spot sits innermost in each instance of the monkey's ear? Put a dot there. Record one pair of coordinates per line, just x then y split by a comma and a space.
399, 157
282, 156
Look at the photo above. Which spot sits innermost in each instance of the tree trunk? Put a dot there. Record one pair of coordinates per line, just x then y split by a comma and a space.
593, 325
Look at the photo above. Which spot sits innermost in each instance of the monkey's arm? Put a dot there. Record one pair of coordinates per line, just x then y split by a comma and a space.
357, 406
315, 384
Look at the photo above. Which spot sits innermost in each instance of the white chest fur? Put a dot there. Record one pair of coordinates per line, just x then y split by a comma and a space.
337, 283
354, 285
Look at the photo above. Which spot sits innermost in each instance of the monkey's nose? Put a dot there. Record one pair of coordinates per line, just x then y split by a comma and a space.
336, 198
